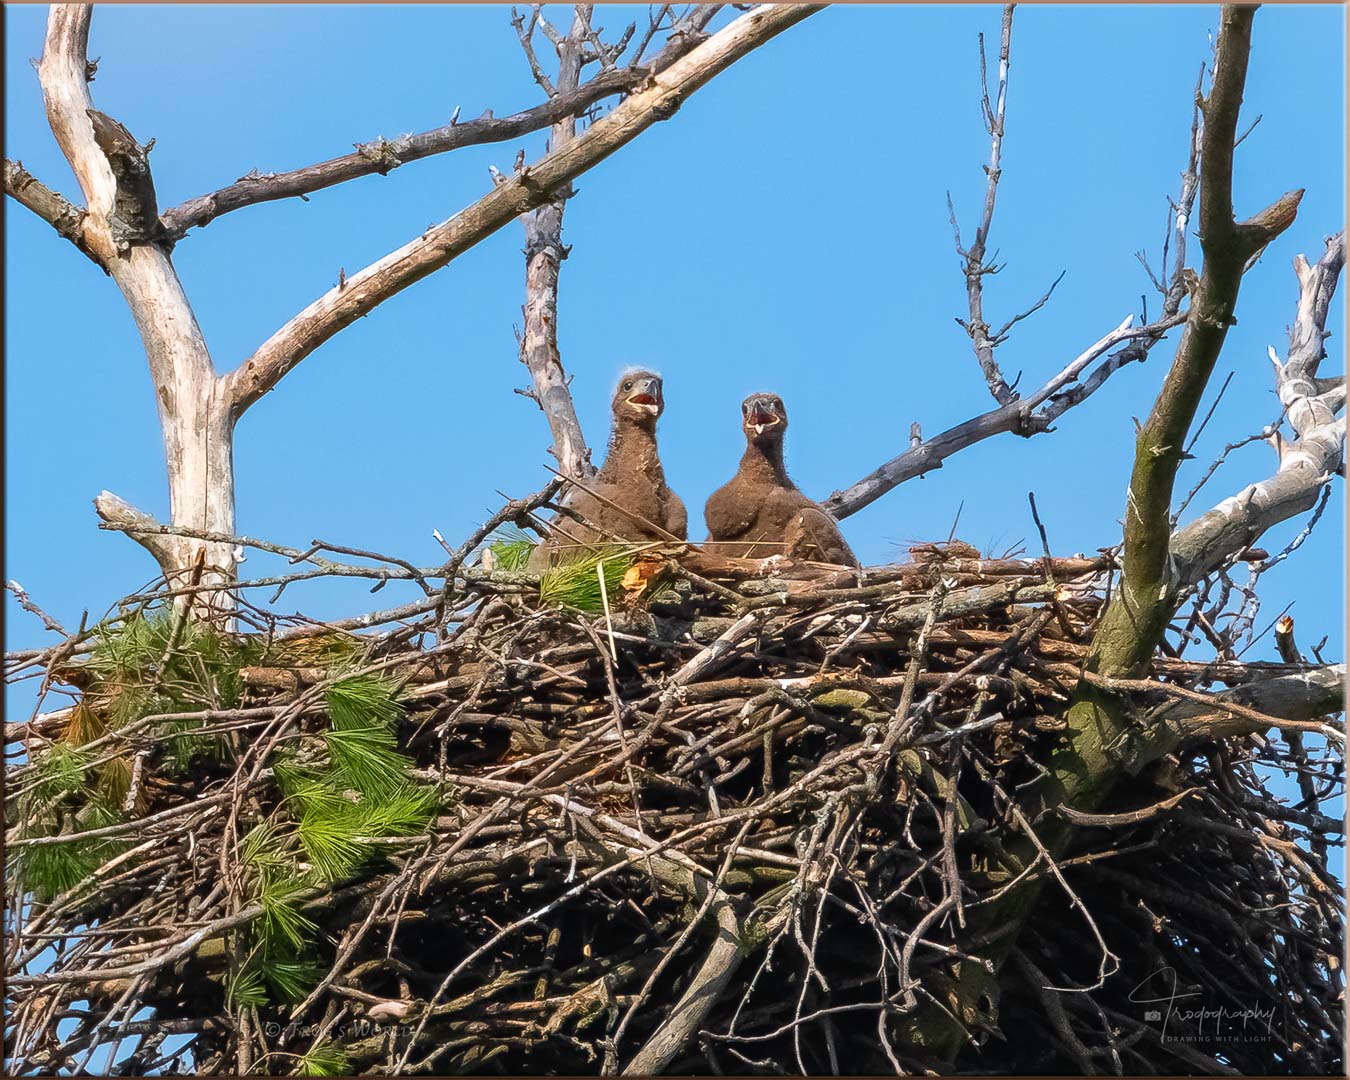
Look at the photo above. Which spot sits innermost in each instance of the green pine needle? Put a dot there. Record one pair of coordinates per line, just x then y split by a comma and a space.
324, 1059
310, 792
364, 701
365, 758
247, 988
330, 845
291, 979
264, 849
512, 550
60, 771
47, 870
574, 583
283, 923
404, 812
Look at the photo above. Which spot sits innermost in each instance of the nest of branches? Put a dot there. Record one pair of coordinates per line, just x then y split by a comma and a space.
655, 814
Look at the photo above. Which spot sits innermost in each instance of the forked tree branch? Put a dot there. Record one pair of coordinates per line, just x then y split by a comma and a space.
1133, 624
121, 229
63, 73
972, 258
382, 156
1075, 384
657, 99
544, 254
544, 247
1100, 735
1026, 416
1306, 464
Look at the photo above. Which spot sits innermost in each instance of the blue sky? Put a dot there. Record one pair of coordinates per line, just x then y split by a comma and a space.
786, 231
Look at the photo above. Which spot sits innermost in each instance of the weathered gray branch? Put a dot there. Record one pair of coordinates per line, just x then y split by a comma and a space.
1304, 695
119, 514
973, 264
135, 214
382, 156
51, 206
719, 965
1306, 463
657, 99
544, 253
114, 176
1026, 416
1070, 387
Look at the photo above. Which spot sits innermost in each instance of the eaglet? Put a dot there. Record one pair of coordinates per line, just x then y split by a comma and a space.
629, 494
761, 512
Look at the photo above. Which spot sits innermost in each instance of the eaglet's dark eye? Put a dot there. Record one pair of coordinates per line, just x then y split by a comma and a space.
628, 385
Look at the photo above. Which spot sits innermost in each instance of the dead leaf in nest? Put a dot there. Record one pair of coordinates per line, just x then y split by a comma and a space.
640, 575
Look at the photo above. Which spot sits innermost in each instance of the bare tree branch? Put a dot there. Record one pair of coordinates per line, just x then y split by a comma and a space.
114, 175
1133, 624
1025, 416
382, 156
1067, 389
973, 263
544, 253
1306, 463
52, 207
532, 186
1100, 734
121, 515
1251, 708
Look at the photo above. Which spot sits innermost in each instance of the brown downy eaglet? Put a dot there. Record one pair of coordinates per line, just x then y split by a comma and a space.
628, 499
760, 512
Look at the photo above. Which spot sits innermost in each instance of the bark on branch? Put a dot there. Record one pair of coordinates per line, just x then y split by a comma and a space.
544, 254
1308, 462
1303, 696
973, 264
382, 156
114, 175
51, 206
657, 99
1072, 386
135, 214
1031, 415
1133, 625
1100, 740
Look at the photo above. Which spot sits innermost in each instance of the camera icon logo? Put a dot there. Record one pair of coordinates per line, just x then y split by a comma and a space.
1153, 1014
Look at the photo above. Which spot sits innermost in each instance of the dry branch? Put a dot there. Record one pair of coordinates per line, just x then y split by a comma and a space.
114, 175
657, 99
1026, 416
1306, 463
53, 208
381, 156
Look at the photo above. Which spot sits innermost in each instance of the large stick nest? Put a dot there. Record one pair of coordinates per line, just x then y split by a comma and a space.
732, 818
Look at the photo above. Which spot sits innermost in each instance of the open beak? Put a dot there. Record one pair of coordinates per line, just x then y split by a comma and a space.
761, 415
647, 396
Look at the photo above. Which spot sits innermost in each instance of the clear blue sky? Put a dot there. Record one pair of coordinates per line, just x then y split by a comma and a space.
786, 231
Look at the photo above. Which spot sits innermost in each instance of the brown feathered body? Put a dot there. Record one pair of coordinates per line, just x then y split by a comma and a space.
760, 512
628, 498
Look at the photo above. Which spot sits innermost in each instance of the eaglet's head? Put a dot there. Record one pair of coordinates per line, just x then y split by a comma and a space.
763, 418
639, 397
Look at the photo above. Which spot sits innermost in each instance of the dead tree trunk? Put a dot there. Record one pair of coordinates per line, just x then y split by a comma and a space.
122, 229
